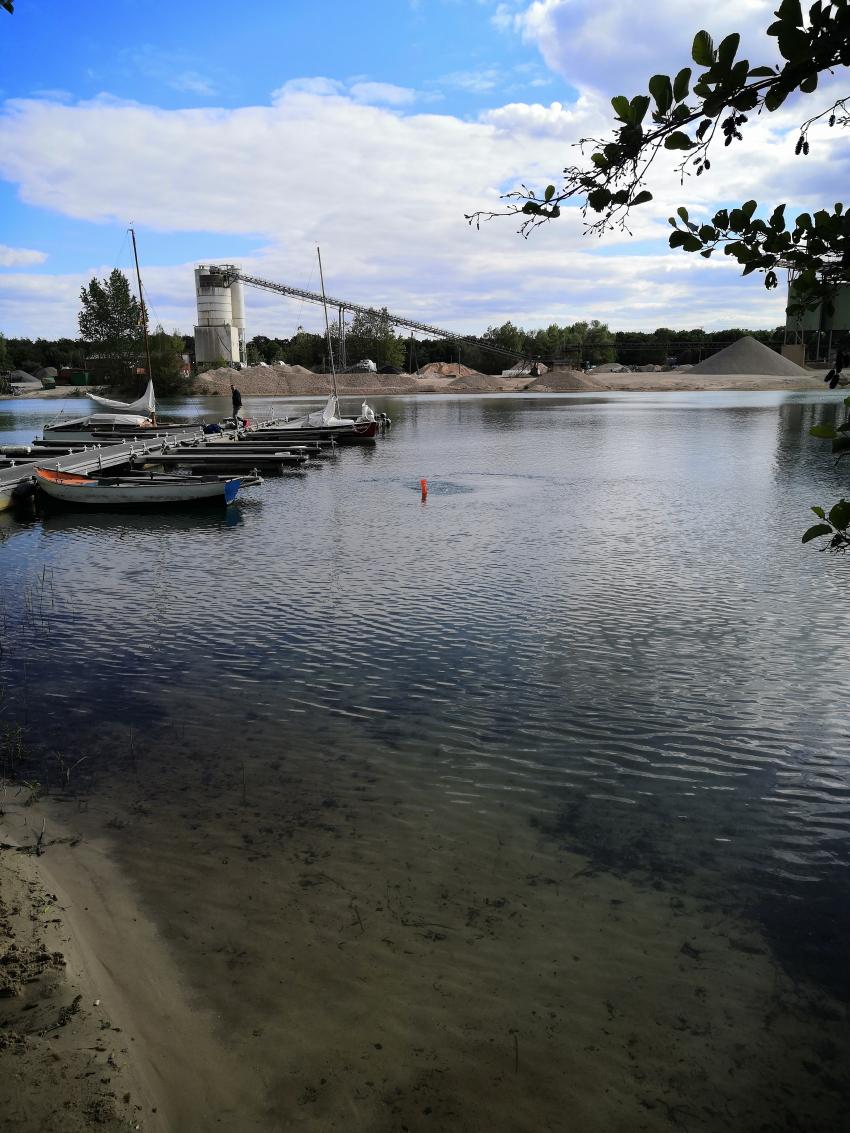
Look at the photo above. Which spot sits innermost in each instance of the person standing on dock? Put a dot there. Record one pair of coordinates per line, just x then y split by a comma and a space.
236, 398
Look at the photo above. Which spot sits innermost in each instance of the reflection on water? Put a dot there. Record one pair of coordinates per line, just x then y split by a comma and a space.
601, 631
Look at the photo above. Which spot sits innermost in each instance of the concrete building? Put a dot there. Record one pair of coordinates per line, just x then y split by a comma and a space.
816, 334
220, 330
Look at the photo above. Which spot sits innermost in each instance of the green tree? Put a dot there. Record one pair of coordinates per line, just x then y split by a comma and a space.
4, 359
690, 112
507, 336
590, 342
166, 352
111, 325
372, 335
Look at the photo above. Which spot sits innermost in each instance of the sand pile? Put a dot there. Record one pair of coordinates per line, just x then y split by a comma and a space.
525, 369
749, 356
478, 383
252, 381
563, 381
610, 368
446, 370
298, 381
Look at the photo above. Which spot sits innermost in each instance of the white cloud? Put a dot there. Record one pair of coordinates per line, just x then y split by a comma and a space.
618, 44
384, 192
192, 83
19, 257
173, 69
387, 93
480, 80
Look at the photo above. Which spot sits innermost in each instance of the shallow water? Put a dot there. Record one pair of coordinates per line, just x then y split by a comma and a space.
598, 643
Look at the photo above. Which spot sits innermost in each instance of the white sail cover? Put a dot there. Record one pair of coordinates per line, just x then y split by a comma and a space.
146, 404
327, 416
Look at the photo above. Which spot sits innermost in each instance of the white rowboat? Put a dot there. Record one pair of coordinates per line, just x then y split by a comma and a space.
130, 491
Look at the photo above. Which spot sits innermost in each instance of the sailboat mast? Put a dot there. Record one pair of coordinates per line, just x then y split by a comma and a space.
327, 326
144, 312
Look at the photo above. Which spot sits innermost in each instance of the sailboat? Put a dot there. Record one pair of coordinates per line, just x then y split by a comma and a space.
328, 422
126, 420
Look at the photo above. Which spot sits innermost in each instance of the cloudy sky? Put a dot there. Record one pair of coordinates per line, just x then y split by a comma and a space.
251, 132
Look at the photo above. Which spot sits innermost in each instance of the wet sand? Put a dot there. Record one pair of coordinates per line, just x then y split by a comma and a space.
300, 939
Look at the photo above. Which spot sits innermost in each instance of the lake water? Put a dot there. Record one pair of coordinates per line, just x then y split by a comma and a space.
570, 734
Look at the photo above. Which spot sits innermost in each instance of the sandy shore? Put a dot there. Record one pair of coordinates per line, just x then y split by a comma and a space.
267, 384
96, 1026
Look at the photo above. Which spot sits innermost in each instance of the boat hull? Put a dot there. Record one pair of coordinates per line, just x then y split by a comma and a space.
128, 492
358, 433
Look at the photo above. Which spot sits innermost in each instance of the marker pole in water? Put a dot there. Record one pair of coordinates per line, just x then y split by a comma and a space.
423, 484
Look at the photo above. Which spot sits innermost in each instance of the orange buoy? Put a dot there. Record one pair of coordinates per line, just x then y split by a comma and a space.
423, 484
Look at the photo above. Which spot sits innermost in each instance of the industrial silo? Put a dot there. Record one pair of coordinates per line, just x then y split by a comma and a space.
220, 331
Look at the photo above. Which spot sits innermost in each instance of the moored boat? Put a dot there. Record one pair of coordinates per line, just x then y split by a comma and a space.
134, 491
105, 428
324, 424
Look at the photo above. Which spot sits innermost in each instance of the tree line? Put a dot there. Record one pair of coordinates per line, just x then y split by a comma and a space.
112, 325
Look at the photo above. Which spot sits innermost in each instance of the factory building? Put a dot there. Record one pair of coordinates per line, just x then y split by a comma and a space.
815, 335
220, 331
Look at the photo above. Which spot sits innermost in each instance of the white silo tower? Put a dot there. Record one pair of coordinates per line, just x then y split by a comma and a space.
220, 331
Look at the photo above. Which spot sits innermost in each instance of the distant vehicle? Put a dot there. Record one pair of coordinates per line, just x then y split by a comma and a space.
364, 366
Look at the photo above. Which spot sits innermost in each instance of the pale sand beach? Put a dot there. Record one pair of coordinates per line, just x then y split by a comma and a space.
298, 939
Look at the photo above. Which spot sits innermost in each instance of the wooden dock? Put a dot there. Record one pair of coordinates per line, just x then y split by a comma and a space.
91, 459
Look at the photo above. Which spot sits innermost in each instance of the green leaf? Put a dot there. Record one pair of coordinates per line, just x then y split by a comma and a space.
621, 107
678, 140
728, 49
777, 218
682, 213
702, 51
598, 199
775, 97
790, 11
550, 193
661, 90
638, 108
839, 515
682, 84
824, 432
762, 72
847, 402
643, 196
819, 512
748, 208
816, 531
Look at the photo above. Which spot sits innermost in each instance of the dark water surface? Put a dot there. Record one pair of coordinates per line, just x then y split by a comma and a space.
600, 627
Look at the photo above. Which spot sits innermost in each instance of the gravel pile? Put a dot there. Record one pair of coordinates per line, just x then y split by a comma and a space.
563, 381
297, 381
749, 356
446, 370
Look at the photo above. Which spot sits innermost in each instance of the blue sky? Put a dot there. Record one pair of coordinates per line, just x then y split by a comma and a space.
252, 132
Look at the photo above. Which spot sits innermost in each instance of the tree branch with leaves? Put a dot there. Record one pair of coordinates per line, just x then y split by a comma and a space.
687, 114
